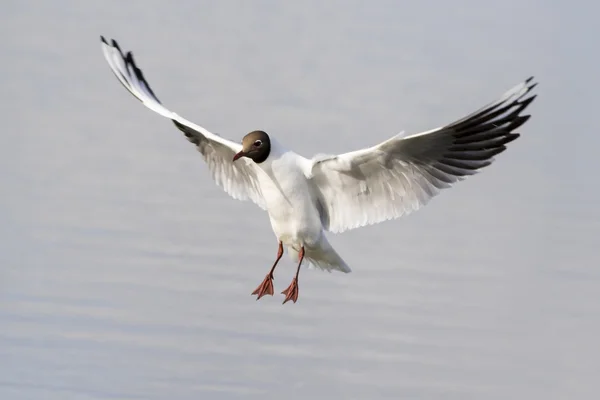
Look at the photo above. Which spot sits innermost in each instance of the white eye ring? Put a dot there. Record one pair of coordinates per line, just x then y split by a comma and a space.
257, 143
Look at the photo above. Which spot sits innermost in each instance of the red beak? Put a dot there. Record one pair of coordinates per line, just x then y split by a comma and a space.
239, 155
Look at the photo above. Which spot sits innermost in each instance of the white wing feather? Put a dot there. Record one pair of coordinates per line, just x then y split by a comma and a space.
402, 174
238, 179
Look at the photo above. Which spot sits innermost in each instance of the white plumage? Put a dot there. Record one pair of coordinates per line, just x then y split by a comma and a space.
306, 197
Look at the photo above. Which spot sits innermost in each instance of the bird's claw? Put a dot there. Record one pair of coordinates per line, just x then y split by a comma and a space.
291, 293
266, 287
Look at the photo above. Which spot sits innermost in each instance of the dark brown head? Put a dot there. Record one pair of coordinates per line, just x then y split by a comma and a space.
256, 145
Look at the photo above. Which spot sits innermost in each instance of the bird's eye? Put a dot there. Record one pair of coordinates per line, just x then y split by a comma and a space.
258, 143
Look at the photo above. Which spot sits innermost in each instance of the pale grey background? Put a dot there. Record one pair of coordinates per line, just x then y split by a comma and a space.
126, 273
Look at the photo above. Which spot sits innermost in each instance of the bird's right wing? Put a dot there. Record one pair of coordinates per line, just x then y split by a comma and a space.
403, 173
238, 179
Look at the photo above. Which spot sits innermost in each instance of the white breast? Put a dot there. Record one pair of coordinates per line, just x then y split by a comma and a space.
292, 211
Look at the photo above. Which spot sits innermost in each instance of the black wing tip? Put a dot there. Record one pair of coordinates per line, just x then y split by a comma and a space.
532, 86
527, 101
495, 152
129, 59
531, 82
510, 137
139, 74
518, 121
113, 43
486, 134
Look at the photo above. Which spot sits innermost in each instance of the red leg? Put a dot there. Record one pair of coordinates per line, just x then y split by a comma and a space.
291, 293
266, 287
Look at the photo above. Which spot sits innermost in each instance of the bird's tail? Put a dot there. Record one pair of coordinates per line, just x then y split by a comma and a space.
323, 256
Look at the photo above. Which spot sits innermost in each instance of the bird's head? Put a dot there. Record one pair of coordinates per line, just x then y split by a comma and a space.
256, 146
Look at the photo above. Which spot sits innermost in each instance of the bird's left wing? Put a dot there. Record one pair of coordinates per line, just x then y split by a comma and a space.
238, 179
402, 174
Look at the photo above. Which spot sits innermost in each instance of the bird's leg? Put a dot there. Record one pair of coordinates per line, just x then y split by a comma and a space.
291, 293
266, 287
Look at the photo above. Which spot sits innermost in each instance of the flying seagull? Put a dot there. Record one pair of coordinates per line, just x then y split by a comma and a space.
307, 197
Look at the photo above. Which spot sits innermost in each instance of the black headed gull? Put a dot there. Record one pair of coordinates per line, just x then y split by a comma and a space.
306, 197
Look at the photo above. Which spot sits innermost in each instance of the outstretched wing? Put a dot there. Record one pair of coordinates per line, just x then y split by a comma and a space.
402, 174
239, 179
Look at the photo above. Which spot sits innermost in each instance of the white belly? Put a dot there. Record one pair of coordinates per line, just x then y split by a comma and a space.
291, 203
294, 217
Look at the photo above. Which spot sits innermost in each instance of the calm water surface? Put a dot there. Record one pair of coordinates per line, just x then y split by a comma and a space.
125, 273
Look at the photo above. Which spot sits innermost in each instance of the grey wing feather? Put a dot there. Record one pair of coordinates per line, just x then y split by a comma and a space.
238, 179
402, 174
